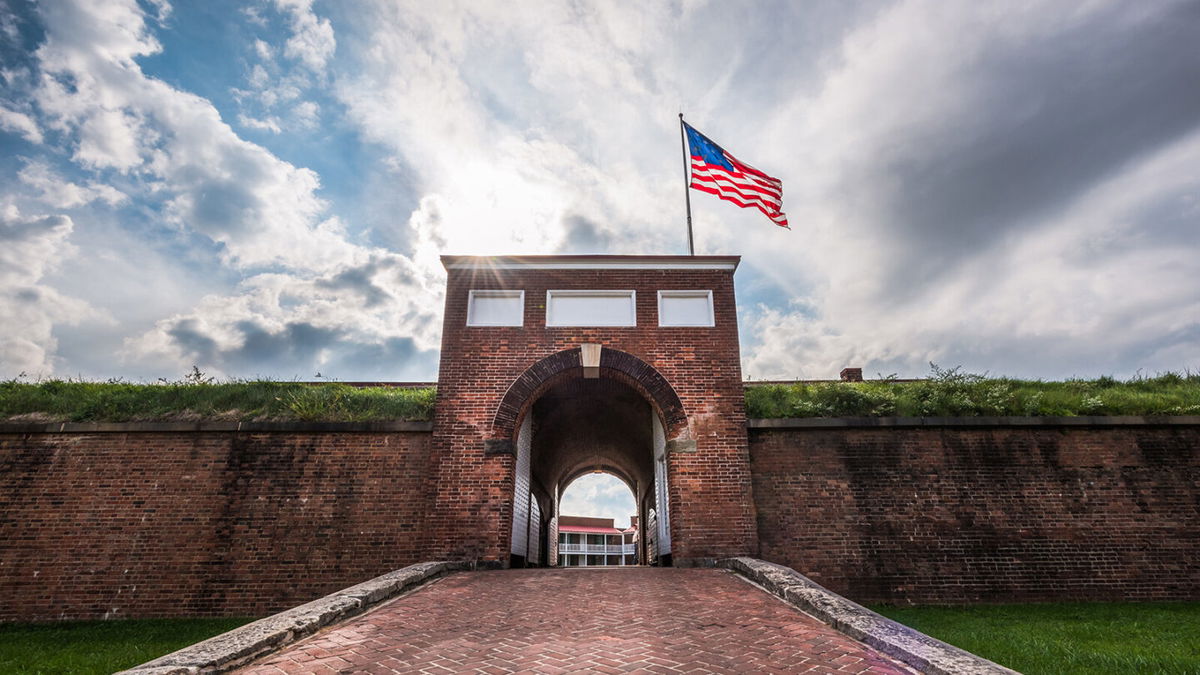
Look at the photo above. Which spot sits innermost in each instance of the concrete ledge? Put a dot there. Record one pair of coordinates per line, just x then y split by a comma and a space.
239, 646
177, 427
897, 640
868, 422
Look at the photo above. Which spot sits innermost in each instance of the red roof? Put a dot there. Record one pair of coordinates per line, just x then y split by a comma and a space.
588, 530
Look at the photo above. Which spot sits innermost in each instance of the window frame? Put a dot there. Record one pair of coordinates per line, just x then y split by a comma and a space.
687, 293
494, 293
569, 292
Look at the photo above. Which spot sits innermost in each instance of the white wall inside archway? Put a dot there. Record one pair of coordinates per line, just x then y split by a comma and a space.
599, 495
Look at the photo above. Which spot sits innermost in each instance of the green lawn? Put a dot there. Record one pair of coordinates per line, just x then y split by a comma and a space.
99, 647
1067, 638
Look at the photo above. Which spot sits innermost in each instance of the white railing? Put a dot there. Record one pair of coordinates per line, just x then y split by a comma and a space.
624, 549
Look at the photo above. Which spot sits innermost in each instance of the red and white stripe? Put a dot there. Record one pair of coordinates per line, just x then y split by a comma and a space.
745, 186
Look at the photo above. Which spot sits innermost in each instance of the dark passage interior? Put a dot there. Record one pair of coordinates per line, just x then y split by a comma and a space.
577, 427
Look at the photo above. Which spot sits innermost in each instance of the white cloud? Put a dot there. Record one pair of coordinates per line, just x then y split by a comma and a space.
29, 248
272, 101
32, 245
312, 41
921, 235
520, 119
307, 114
9, 24
259, 78
234, 192
111, 139
19, 122
599, 495
61, 193
946, 204
270, 124
263, 50
326, 322
254, 15
322, 292
162, 9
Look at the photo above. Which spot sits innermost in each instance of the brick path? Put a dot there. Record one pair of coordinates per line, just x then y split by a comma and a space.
639, 620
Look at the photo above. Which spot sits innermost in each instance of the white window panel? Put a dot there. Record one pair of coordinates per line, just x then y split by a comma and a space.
685, 308
591, 308
496, 308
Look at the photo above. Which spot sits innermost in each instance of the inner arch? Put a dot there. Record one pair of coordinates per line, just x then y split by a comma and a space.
597, 521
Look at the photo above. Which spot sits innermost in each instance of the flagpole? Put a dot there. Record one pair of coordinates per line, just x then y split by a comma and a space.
687, 195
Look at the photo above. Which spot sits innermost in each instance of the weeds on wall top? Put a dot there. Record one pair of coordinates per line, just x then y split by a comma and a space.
948, 392
197, 396
951, 392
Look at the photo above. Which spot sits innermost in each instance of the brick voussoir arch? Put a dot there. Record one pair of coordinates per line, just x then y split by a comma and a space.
567, 363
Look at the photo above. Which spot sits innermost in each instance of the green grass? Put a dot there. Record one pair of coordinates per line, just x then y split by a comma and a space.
948, 393
78, 401
1068, 638
952, 393
99, 646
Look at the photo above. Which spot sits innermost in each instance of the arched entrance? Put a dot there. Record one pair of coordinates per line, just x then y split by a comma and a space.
569, 425
597, 522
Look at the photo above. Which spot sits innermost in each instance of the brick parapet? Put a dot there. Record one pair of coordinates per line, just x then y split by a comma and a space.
156, 523
970, 510
201, 523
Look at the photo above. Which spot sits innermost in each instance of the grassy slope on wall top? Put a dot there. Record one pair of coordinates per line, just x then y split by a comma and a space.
952, 393
947, 393
74, 401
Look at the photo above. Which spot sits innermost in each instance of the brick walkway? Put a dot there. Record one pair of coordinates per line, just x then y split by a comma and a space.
639, 620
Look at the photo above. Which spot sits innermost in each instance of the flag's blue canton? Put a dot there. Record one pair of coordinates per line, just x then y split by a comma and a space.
705, 149
719, 173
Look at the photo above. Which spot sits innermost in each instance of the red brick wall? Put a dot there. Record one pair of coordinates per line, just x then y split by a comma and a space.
222, 523
201, 523
956, 515
712, 510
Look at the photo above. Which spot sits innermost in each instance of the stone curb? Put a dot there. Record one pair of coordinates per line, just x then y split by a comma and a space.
906, 644
239, 646
867, 422
177, 427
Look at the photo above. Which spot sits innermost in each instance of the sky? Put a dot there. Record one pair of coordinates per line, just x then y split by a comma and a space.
599, 495
262, 189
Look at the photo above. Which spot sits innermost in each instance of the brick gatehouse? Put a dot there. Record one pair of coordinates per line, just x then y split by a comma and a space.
555, 366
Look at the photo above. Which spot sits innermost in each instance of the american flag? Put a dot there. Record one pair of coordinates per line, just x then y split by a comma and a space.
717, 172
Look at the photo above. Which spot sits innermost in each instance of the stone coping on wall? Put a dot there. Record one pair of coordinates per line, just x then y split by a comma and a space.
240, 646
866, 422
180, 427
926, 654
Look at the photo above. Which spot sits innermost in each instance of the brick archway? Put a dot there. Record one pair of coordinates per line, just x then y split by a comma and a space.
568, 364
